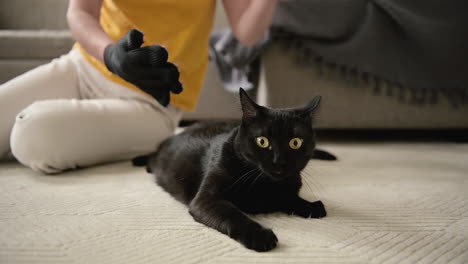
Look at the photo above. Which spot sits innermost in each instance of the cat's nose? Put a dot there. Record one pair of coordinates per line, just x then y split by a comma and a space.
278, 162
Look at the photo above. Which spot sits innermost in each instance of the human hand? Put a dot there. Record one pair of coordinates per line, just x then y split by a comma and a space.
145, 67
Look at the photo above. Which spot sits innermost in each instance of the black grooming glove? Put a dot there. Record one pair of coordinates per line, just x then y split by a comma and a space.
145, 67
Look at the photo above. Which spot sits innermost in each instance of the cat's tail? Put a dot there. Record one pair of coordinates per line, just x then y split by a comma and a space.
323, 155
142, 161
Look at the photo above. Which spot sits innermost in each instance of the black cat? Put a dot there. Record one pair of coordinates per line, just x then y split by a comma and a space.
223, 170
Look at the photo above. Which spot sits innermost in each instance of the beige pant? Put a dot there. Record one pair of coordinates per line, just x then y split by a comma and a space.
65, 115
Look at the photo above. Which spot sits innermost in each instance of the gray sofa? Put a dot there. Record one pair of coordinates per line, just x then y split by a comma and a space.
347, 104
32, 32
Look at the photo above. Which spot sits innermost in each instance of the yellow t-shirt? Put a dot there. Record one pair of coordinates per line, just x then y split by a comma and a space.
182, 27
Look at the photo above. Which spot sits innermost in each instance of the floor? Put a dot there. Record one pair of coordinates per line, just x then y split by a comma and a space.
395, 202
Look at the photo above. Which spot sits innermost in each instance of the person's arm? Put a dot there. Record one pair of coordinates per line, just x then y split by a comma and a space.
249, 19
83, 20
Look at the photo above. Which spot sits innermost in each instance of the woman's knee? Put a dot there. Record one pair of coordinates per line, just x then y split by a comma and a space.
34, 137
56, 135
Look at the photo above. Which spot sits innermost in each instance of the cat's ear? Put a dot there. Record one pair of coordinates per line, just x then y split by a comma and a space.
249, 108
313, 104
309, 108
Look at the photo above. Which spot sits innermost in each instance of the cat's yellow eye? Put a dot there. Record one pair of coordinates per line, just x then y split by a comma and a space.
262, 142
295, 143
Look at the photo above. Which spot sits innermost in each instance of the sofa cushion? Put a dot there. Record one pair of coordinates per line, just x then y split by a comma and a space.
33, 14
347, 105
34, 44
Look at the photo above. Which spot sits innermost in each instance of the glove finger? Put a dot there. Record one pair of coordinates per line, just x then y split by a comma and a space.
156, 93
149, 76
134, 39
148, 56
140, 57
158, 55
177, 88
164, 99
160, 94
174, 73
163, 73
146, 73
168, 73
148, 84
169, 76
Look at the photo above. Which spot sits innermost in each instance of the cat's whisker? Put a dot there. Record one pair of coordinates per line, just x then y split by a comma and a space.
255, 180
247, 179
245, 165
244, 176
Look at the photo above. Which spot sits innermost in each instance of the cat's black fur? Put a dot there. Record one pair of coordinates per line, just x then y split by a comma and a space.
219, 171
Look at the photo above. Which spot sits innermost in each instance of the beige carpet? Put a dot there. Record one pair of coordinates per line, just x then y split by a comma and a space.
387, 203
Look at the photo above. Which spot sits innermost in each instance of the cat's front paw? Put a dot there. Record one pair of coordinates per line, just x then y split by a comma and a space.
257, 238
311, 210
